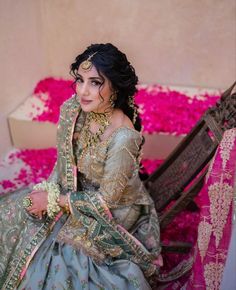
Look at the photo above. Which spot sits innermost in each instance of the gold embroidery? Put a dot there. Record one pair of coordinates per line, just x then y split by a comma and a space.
69, 113
226, 145
112, 189
204, 233
220, 195
110, 169
91, 163
213, 272
114, 251
74, 234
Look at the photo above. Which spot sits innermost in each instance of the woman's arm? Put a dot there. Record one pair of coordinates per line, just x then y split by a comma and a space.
121, 165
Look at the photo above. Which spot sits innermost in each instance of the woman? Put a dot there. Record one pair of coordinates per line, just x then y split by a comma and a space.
92, 224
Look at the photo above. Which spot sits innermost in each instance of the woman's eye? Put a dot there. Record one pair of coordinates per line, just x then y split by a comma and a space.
96, 83
79, 80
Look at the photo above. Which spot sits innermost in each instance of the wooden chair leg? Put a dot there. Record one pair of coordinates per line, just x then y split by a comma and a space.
176, 247
181, 203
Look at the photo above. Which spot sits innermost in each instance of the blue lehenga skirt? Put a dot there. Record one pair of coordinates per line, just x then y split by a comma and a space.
57, 265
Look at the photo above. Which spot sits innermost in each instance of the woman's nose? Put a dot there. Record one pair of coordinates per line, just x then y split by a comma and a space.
83, 89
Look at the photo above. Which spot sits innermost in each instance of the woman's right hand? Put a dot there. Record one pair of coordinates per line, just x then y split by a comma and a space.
62, 201
39, 200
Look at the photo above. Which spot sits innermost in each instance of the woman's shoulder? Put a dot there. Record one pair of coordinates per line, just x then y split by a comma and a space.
121, 120
123, 129
125, 136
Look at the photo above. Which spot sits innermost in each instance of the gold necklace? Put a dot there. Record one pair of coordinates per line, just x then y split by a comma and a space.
89, 139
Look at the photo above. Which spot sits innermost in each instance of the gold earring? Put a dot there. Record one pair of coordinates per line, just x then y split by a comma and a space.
112, 99
132, 105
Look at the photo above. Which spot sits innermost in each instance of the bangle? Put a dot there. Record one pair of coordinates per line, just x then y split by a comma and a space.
53, 207
66, 206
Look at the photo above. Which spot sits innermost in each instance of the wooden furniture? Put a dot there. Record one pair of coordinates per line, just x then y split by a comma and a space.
181, 176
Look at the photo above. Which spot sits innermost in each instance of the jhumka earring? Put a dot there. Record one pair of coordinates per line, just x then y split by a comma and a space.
87, 64
132, 105
112, 99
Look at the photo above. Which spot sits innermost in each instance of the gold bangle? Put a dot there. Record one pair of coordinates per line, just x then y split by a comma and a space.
53, 190
66, 206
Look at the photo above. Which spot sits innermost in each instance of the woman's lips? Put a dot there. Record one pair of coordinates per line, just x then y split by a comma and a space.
85, 102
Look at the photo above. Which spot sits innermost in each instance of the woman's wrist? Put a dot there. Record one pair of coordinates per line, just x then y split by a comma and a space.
63, 202
53, 191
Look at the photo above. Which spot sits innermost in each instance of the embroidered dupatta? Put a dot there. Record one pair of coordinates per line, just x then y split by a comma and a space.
101, 228
214, 230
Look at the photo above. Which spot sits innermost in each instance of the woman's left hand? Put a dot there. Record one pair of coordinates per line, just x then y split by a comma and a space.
39, 200
159, 261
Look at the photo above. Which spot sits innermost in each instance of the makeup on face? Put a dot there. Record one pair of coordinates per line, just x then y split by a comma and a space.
93, 91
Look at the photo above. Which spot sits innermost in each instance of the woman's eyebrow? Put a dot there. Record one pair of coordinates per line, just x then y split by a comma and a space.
95, 78
92, 78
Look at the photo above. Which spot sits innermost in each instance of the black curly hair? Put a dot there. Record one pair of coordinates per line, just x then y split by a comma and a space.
113, 64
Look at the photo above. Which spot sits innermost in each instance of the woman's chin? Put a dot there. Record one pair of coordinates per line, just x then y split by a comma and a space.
86, 108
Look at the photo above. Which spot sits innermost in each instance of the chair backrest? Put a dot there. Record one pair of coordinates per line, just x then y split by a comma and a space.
187, 163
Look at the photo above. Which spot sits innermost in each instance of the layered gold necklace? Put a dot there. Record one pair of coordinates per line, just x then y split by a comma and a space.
89, 139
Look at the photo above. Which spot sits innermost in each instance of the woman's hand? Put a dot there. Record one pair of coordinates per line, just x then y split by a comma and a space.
158, 261
39, 203
62, 200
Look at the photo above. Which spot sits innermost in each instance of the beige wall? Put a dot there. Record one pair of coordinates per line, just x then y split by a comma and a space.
184, 42
21, 57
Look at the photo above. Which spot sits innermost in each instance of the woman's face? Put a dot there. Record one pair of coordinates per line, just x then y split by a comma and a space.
93, 92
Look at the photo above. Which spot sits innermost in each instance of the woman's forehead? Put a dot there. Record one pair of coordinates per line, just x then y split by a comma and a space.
89, 73
93, 73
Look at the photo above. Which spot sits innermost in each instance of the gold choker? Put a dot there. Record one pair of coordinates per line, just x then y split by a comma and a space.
89, 139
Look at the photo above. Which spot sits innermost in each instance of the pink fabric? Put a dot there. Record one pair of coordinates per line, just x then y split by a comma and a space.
214, 230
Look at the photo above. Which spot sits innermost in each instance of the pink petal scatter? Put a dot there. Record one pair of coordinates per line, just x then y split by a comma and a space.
7, 184
41, 162
36, 166
182, 229
161, 109
170, 111
150, 165
52, 92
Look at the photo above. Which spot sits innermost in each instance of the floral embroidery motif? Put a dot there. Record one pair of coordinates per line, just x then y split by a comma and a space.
114, 287
226, 145
220, 195
57, 268
72, 233
213, 273
37, 231
204, 233
84, 284
134, 280
40, 283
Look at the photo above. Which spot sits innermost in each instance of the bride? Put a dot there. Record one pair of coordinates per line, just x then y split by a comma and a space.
92, 224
